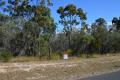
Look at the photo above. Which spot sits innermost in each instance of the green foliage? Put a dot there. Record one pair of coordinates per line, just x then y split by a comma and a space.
116, 24
2, 3
100, 22
70, 16
56, 56
5, 56
45, 2
43, 18
68, 51
87, 39
30, 30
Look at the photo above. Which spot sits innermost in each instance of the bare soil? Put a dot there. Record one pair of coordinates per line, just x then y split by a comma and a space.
72, 69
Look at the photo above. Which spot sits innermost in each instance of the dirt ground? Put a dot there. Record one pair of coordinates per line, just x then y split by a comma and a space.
59, 70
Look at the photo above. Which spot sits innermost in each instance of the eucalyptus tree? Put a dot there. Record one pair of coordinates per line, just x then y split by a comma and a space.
2, 3
36, 16
115, 35
44, 2
42, 16
101, 22
70, 16
116, 24
8, 30
100, 32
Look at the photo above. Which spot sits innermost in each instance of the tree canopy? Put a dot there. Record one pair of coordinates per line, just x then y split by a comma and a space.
29, 30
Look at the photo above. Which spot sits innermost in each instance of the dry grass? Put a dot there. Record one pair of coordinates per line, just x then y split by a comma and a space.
58, 58
24, 59
58, 70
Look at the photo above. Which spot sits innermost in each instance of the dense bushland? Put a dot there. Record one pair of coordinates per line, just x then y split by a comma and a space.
29, 30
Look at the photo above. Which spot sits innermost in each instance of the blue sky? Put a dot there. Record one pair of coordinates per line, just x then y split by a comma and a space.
94, 8
106, 9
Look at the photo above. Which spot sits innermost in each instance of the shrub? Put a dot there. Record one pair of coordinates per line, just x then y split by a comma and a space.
55, 56
5, 56
68, 51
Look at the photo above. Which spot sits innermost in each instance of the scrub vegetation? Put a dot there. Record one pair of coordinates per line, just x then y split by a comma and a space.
29, 30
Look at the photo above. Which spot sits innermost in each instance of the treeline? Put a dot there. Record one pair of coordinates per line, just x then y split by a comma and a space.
29, 30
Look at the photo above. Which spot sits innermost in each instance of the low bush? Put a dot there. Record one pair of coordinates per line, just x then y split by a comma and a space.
68, 51
5, 56
56, 56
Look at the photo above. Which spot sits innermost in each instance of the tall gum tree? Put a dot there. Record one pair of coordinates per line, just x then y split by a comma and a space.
38, 14
70, 16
